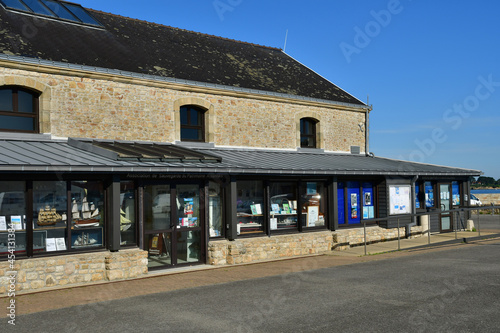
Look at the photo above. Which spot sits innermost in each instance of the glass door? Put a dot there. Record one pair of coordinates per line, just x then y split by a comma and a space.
445, 204
188, 229
173, 224
157, 225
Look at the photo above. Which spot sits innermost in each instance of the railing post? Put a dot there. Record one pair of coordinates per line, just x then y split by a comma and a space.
456, 226
478, 224
399, 244
364, 229
429, 230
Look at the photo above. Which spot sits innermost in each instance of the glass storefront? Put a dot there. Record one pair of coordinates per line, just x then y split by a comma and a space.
215, 222
250, 207
283, 215
63, 215
353, 203
13, 217
50, 220
313, 205
429, 195
128, 215
87, 209
157, 226
173, 224
188, 218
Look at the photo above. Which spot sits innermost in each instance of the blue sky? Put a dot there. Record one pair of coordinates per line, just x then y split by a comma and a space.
431, 69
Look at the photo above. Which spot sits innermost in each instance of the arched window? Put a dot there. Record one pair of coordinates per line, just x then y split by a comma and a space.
18, 110
192, 123
308, 132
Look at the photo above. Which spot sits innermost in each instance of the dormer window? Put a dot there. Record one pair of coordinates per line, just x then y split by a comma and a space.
308, 133
18, 110
192, 123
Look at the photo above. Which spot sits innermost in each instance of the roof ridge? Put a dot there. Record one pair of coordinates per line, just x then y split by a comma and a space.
185, 30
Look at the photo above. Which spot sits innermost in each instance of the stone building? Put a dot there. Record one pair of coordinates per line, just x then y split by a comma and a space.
128, 146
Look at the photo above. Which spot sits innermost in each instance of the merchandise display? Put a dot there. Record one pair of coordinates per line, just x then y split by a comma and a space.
48, 216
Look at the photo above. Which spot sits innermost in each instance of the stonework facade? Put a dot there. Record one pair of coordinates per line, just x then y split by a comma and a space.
71, 270
90, 105
249, 250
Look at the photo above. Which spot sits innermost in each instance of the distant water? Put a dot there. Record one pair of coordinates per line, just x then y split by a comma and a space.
490, 191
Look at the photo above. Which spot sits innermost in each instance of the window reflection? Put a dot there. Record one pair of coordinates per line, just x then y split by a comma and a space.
87, 214
13, 216
50, 215
313, 205
215, 209
188, 206
157, 207
283, 206
249, 207
127, 214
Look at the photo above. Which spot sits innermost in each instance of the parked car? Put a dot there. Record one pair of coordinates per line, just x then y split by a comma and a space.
474, 201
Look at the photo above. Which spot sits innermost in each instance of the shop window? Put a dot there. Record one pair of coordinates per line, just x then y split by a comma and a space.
157, 212
417, 196
87, 214
429, 195
250, 207
455, 188
368, 201
50, 220
13, 217
313, 205
187, 245
283, 215
128, 226
353, 203
18, 110
215, 209
157, 207
341, 202
308, 133
192, 123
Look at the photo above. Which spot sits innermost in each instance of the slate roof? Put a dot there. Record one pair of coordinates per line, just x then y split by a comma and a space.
142, 47
36, 155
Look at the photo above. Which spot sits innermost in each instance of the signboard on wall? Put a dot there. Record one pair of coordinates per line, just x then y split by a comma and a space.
399, 199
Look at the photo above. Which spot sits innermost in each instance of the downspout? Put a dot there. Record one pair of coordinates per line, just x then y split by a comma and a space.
367, 130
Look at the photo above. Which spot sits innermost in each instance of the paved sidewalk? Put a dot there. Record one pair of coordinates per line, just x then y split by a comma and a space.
182, 278
419, 241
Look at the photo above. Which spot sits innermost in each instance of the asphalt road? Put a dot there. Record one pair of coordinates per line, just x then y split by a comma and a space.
455, 290
487, 222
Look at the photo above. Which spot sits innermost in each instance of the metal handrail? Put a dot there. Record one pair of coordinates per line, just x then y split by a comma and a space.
429, 213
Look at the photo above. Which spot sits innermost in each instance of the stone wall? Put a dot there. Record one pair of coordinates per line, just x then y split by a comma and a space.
255, 249
489, 198
69, 270
345, 238
248, 250
96, 106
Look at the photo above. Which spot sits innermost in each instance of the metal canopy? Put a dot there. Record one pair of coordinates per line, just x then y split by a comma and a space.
41, 154
145, 151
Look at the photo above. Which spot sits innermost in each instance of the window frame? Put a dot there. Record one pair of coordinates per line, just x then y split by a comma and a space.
189, 125
312, 136
31, 228
17, 113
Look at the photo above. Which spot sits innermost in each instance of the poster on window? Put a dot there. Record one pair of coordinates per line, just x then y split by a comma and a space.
354, 206
312, 215
368, 199
400, 199
3, 223
188, 206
